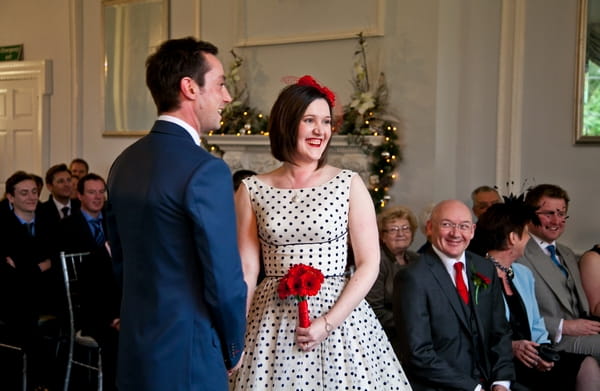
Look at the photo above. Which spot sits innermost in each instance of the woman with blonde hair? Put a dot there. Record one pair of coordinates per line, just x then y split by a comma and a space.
397, 226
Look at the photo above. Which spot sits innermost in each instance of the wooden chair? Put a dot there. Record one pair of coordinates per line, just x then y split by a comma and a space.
70, 264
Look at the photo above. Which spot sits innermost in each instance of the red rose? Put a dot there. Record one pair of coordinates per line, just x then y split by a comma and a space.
486, 280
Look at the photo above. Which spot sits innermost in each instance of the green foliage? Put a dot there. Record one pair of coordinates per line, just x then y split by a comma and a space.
366, 115
239, 116
591, 107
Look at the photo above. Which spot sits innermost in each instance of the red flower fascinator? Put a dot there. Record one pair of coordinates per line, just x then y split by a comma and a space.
310, 81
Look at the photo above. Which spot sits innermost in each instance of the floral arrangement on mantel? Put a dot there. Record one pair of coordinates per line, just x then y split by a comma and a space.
238, 117
365, 115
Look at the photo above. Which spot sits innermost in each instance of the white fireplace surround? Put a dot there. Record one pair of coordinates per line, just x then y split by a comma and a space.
253, 152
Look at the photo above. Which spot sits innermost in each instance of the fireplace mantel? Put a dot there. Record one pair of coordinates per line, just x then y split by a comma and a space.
252, 152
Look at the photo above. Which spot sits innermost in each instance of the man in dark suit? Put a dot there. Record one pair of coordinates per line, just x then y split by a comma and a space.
172, 228
100, 296
25, 264
558, 288
79, 168
453, 333
59, 204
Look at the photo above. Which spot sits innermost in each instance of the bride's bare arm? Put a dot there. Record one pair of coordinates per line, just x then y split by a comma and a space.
248, 243
364, 236
362, 226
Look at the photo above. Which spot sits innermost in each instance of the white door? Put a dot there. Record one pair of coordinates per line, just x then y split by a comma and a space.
23, 102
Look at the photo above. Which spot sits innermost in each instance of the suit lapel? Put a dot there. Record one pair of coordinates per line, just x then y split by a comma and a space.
483, 362
442, 278
548, 272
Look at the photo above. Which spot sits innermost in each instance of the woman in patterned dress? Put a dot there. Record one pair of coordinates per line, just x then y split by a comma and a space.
303, 212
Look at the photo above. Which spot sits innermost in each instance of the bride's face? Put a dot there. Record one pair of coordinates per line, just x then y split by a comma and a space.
314, 132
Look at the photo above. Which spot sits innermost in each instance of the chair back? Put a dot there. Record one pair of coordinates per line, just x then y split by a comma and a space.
70, 264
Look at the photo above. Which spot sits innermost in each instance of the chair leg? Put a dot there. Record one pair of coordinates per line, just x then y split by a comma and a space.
68, 370
24, 381
100, 379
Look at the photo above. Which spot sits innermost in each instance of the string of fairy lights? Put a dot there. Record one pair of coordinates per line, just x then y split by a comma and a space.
366, 115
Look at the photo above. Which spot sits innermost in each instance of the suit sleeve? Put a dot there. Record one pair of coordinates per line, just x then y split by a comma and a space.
209, 200
114, 243
413, 321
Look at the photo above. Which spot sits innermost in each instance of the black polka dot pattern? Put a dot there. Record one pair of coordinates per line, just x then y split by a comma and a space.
310, 226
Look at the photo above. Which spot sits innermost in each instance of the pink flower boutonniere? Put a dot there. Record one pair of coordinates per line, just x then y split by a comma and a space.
480, 281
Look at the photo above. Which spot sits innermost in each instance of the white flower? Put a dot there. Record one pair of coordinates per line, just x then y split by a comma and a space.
363, 102
359, 71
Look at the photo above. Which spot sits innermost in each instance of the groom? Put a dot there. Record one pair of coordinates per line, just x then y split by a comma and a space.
453, 333
173, 233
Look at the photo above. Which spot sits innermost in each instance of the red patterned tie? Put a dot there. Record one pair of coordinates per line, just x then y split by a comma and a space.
460, 283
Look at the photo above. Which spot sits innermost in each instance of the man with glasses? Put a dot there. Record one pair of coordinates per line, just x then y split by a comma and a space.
449, 312
558, 288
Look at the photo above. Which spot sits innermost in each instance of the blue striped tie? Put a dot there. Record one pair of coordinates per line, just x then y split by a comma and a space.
98, 234
552, 249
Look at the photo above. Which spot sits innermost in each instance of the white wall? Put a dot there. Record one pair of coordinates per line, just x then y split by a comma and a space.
441, 60
44, 28
548, 153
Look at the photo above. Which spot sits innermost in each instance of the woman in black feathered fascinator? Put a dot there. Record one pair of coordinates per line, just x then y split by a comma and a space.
501, 235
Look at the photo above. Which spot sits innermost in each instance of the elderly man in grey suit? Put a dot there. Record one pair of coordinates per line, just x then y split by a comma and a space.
558, 288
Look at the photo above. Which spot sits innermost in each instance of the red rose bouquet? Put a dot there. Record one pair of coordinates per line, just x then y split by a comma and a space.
301, 281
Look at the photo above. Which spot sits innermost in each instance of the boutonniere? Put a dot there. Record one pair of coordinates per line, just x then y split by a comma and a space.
480, 281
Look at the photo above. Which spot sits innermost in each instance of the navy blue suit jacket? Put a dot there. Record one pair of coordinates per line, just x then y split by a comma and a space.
171, 223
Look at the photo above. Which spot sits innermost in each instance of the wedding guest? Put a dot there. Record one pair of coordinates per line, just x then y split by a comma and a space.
558, 289
589, 267
483, 197
449, 312
397, 226
79, 168
59, 204
501, 236
302, 213
84, 231
172, 231
25, 267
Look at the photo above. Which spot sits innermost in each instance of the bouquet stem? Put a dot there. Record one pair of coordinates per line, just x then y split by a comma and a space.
303, 318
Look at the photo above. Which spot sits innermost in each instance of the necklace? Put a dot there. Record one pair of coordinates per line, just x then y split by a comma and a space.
508, 270
295, 197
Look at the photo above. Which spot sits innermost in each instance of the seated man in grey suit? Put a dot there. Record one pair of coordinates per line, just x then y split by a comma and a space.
558, 288
449, 312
